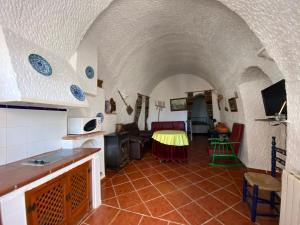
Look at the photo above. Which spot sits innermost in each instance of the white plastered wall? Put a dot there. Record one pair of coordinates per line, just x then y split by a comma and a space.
174, 87
256, 149
275, 23
256, 142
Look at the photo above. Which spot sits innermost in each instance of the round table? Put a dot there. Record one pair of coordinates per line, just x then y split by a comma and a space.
171, 137
170, 145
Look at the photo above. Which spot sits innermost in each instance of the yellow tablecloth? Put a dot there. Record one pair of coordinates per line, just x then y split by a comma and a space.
171, 137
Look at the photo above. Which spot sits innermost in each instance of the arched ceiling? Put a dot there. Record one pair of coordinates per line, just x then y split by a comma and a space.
58, 25
144, 41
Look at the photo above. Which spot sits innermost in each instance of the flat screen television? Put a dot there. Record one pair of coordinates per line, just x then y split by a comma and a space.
274, 98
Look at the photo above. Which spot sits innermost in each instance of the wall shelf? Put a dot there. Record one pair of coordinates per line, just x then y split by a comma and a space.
81, 136
273, 120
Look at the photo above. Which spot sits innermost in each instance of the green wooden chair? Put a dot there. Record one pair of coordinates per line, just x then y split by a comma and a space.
223, 151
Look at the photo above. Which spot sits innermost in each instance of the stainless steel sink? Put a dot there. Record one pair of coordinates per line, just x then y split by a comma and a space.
44, 160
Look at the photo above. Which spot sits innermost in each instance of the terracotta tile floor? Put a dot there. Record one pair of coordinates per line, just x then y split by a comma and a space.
148, 192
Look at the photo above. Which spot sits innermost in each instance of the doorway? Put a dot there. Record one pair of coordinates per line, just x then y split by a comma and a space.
199, 116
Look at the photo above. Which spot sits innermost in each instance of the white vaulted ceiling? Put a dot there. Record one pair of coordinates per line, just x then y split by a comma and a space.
58, 25
147, 40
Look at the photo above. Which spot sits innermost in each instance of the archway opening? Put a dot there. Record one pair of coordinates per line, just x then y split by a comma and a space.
256, 151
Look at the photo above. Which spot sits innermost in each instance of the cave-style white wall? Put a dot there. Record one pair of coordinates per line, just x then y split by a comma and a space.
60, 25
293, 126
256, 143
57, 25
256, 149
20, 82
161, 30
276, 24
153, 44
86, 55
174, 87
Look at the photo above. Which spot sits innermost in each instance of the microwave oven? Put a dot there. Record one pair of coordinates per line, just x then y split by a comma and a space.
83, 125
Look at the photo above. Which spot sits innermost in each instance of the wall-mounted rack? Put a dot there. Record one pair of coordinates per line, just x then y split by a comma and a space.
273, 121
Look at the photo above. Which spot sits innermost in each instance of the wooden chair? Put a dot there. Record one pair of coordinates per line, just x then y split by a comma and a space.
221, 150
265, 182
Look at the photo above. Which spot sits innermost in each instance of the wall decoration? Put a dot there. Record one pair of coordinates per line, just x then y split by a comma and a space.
40, 64
225, 105
232, 105
99, 83
178, 104
160, 105
77, 92
107, 106
220, 98
89, 72
113, 106
189, 106
129, 109
147, 98
101, 117
138, 108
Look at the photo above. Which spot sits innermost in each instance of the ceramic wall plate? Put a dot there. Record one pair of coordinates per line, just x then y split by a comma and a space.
100, 117
40, 64
89, 72
77, 92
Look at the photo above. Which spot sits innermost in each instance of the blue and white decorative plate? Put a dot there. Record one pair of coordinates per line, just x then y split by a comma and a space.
89, 71
40, 64
77, 92
101, 117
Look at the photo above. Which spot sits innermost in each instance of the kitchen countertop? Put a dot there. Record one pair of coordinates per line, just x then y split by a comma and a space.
15, 175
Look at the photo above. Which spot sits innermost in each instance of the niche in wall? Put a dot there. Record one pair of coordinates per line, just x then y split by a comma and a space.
257, 136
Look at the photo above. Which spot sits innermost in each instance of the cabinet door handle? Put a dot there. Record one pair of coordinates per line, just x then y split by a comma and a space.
68, 197
31, 208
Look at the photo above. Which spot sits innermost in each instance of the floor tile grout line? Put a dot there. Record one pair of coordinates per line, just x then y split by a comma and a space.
191, 172
230, 174
228, 208
178, 189
192, 183
140, 220
239, 212
206, 222
232, 182
170, 203
155, 217
162, 195
116, 196
115, 217
141, 199
90, 214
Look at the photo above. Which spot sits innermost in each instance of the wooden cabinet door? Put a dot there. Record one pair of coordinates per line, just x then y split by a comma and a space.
64, 200
46, 204
79, 180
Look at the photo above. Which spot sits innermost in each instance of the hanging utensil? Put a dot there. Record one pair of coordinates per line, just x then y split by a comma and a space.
129, 109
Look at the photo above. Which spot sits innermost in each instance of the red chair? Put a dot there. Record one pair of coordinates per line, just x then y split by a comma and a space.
168, 152
222, 149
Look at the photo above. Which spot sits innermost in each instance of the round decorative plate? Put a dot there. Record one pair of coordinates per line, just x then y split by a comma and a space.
77, 92
40, 64
89, 71
101, 117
